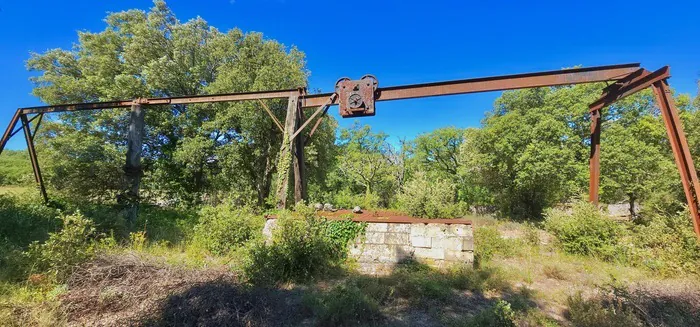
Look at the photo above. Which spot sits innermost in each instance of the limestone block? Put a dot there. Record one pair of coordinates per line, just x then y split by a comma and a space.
270, 225
377, 227
374, 238
448, 243
399, 228
459, 256
355, 251
418, 229
430, 253
468, 244
421, 241
460, 230
379, 253
435, 230
396, 238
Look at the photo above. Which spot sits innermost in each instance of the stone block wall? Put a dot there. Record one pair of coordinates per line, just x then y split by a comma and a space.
386, 245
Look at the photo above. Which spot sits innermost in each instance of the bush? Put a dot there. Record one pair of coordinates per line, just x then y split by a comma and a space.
25, 219
345, 305
223, 228
429, 198
488, 242
346, 199
584, 231
498, 315
75, 243
666, 243
300, 250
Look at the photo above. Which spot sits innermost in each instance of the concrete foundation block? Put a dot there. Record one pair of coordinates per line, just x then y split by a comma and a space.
397, 238
448, 243
421, 241
460, 230
430, 253
374, 238
418, 229
399, 228
377, 227
468, 244
435, 230
459, 256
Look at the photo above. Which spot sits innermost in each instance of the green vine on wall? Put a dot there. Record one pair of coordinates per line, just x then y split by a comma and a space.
342, 232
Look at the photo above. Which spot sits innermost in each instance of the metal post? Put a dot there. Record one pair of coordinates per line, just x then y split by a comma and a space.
32, 156
8, 132
681, 151
594, 161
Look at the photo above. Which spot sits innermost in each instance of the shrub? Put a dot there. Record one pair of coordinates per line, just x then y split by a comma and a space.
223, 228
345, 305
75, 243
498, 315
429, 198
488, 242
300, 249
666, 243
584, 231
597, 312
25, 219
346, 199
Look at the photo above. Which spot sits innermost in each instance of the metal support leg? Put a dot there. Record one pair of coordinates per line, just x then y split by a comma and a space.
299, 169
32, 156
681, 151
594, 161
8, 132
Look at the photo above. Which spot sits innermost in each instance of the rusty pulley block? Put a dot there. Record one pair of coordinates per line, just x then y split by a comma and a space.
356, 97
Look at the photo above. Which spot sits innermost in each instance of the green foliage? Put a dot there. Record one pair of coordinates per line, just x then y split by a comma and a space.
342, 232
345, 305
300, 250
665, 244
585, 231
348, 199
488, 243
25, 219
498, 315
596, 312
75, 243
224, 228
429, 198
15, 168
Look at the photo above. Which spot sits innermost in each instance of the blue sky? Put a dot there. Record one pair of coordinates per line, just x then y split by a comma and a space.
400, 42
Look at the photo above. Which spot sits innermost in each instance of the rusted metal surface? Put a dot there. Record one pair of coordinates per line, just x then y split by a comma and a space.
8, 132
269, 112
681, 151
33, 157
212, 98
505, 82
383, 217
496, 83
634, 83
594, 160
356, 98
323, 108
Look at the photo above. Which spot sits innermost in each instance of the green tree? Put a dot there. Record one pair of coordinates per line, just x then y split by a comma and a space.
189, 150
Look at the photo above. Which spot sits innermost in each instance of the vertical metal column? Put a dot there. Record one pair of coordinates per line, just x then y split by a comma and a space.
284, 163
8, 132
594, 161
681, 151
299, 168
132, 166
32, 156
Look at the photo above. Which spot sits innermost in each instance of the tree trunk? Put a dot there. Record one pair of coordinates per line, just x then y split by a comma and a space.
132, 168
284, 163
633, 214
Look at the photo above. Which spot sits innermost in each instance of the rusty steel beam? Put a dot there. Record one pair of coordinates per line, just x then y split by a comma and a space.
636, 82
212, 98
495, 83
484, 84
681, 150
8, 132
33, 157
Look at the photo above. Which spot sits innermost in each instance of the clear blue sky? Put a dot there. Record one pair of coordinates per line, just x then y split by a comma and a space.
400, 42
